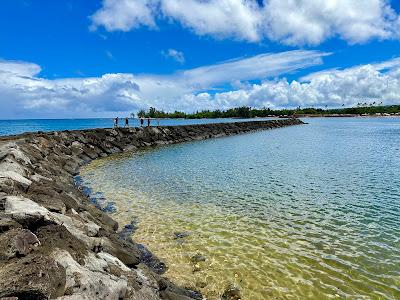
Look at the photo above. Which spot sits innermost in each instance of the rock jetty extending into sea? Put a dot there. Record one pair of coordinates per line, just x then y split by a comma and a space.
54, 243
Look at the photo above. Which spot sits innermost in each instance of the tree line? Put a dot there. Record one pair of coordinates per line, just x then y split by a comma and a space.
249, 112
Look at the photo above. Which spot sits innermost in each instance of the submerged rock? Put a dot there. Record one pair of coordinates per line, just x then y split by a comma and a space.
198, 257
128, 230
181, 234
232, 292
153, 262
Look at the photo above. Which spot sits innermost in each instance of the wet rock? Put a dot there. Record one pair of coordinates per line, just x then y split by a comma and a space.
78, 180
153, 262
232, 292
168, 295
35, 276
101, 202
171, 291
128, 230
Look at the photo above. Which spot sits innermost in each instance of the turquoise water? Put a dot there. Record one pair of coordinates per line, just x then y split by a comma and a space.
301, 212
10, 127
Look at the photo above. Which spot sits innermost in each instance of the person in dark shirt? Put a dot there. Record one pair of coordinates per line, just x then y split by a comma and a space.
116, 122
141, 121
126, 122
148, 122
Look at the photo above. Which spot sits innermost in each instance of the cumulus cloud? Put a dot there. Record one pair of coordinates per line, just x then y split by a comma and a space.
313, 21
220, 18
366, 83
174, 54
23, 93
293, 22
124, 14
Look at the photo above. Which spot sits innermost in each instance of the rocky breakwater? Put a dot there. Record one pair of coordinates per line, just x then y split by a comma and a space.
54, 243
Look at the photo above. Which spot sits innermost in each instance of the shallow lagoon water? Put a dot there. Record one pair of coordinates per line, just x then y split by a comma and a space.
301, 212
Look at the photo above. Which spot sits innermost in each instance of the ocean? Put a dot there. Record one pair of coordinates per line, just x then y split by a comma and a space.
11, 127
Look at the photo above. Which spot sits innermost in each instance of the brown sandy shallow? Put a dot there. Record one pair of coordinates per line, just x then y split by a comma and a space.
54, 243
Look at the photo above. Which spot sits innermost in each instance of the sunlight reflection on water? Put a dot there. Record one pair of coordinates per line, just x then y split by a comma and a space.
300, 212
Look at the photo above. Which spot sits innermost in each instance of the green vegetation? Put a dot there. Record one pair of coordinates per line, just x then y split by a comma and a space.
248, 112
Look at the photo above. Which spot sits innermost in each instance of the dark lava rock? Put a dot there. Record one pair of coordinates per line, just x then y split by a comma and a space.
35, 276
231, 293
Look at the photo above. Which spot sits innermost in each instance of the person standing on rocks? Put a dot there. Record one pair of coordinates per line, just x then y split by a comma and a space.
116, 122
126, 122
148, 122
141, 121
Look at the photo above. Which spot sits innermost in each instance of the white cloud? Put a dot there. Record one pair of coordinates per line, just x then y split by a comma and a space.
18, 68
124, 14
366, 83
174, 54
220, 18
256, 67
313, 21
23, 93
291, 22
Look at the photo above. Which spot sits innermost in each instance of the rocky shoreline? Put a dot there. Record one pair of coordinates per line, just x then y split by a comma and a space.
54, 243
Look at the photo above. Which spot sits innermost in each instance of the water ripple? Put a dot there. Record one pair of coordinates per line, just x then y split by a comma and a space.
308, 212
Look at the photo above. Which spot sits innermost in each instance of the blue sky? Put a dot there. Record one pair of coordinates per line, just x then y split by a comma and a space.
102, 58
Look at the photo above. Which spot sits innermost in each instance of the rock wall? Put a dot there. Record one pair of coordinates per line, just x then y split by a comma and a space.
54, 243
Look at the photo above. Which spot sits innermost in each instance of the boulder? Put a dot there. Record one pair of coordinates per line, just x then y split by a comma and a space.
35, 276
90, 280
16, 243
25, 211
232, 292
